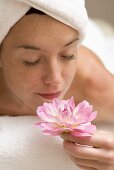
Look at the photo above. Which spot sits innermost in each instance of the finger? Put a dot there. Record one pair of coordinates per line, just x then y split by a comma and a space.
91, 168
90, 153
100, 139
86, 168
90, 163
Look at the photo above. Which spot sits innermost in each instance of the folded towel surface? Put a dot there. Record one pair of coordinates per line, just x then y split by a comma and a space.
72, 13
24, 147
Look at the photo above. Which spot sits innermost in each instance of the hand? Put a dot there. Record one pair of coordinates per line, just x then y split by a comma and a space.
91, 153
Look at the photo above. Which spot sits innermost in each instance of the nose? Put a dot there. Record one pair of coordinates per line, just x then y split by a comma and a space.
53, 73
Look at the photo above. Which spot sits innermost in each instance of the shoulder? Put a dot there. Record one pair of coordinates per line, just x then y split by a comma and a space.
90, 78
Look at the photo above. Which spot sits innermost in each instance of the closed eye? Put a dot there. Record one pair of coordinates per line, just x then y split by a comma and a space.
68, 57
28, 63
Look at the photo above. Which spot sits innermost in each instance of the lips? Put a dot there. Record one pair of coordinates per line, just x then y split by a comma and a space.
49, 95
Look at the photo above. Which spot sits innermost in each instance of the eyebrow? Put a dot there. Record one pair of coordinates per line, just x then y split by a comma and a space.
26, 46
76, 39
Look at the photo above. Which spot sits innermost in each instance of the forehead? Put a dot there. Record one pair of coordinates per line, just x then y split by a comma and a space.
34, 28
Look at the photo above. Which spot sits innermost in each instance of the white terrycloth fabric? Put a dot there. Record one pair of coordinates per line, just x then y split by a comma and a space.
70, 12
24, 147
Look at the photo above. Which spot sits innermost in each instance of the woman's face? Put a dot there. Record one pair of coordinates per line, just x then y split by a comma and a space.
39, 59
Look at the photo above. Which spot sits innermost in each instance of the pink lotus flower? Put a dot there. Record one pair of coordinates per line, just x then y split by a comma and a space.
62, 116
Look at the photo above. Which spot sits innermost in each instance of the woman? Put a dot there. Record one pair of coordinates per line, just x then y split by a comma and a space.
39, 58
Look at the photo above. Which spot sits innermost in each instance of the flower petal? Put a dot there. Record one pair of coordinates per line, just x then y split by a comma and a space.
81, 106
86, 128
43, 116
92, 116
80, 134
71, 104
51, 126
49, 109
84, 115
62, 115
53, 133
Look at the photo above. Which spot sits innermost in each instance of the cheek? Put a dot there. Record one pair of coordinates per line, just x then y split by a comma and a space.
21, 79
71, 71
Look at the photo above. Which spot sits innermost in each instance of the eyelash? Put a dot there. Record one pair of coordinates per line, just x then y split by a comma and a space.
68, 57
27, 63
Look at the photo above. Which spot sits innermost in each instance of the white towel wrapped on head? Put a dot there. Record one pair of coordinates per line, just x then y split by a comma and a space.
70, 12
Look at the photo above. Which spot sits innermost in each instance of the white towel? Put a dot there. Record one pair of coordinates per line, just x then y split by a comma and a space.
24, 147
70, 12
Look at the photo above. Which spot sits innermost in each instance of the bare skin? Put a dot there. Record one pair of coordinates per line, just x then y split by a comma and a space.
96, 88
95, 84
91, 81
9, 106
22, 82
25, 74
98, 156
